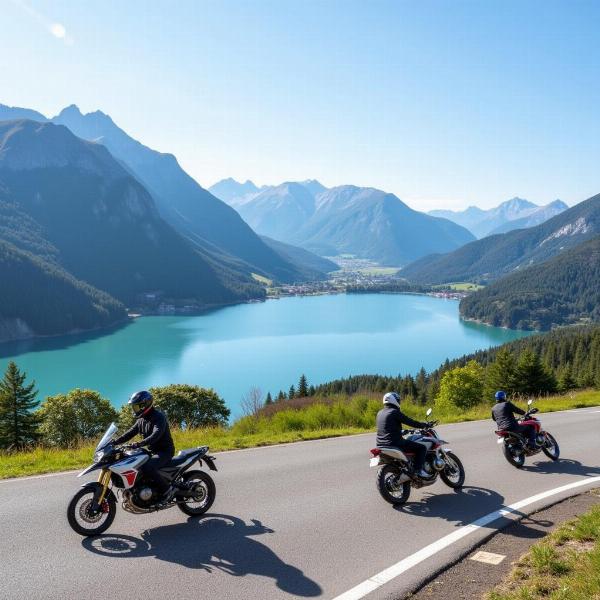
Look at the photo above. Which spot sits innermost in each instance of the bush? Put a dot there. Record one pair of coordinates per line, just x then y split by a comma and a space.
67, 419
461, 387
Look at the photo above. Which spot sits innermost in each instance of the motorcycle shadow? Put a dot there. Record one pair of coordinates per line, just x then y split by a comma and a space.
567, 466
214, 543
467, 505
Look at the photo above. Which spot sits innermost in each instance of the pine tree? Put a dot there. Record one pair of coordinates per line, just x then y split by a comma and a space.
500, 375
18, 425
302, 387
532, 377
311, 390
268, 399
292, 393
281, 396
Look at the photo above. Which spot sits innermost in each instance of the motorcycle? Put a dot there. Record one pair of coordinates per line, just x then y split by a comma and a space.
396, 474
516, 446
92, 509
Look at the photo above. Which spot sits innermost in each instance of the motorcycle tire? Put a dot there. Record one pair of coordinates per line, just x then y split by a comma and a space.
210, 491
383, 485
455, 485
516, 461
554, 444
72, 512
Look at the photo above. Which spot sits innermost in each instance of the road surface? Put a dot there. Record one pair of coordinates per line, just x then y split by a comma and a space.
300, 520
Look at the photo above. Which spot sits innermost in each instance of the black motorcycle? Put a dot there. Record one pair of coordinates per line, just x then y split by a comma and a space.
92, 510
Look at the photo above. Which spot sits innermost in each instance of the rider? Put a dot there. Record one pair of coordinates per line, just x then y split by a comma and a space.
389, 431
503, 413
152, 425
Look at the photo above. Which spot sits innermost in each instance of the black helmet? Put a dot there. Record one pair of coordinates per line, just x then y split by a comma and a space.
140, 402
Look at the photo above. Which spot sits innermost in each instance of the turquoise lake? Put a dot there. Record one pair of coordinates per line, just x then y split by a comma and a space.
268, 345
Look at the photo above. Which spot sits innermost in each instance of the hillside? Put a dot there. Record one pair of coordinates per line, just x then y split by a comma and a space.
315, 266
497, 255
101, 224
41, 298
561, 291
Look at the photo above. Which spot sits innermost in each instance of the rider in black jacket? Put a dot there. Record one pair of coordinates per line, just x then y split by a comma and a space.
503, 413
153, 426
389, 431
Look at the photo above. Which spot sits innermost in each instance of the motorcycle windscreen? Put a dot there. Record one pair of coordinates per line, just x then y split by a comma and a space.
108, 435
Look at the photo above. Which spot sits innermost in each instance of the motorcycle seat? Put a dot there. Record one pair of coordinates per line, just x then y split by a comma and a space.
183, 455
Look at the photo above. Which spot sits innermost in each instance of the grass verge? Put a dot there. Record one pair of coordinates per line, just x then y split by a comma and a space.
565, 565
322, 418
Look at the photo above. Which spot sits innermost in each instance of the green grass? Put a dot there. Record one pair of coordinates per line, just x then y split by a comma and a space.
261, 279
462, 286
379, 270
322, 418
563, 566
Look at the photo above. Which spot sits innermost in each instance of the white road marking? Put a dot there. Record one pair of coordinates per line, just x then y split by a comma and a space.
387, 575
488, 558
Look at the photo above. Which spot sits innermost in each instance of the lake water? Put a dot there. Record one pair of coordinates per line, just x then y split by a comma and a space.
268, 345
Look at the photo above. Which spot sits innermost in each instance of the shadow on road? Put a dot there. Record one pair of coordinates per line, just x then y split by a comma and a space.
567, 466
467, 505
214, 543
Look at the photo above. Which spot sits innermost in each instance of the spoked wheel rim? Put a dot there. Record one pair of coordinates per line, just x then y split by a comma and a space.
551, 447
393, 484
452, 470
201, 495
83, 516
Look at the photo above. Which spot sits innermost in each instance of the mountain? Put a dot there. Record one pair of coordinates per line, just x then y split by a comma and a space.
41, 298
483, 222
498, 255
538, 216
315, 266
181, 201
373, 224
229, 190
561, 291
11, 113
101, 224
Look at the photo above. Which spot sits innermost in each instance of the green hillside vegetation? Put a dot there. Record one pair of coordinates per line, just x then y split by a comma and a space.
41, 298
562, 291
498, 255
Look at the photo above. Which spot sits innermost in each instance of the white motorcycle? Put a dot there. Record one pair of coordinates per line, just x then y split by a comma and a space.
396, 473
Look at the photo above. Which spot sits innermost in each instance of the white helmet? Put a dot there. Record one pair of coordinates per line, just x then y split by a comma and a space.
392, 398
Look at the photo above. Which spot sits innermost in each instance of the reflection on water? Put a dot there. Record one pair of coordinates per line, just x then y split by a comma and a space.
268, 345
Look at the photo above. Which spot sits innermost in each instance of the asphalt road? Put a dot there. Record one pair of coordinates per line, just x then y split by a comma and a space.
301, 520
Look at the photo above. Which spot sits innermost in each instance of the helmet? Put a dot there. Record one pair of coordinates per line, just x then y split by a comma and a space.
500, 395
392, 398
140, 403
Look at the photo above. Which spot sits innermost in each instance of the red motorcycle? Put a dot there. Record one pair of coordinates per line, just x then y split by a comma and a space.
517, 447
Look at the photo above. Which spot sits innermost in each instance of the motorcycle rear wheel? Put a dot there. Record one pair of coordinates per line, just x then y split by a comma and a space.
198, 505
550, 448
456, 479
516, 460
79, 517
393, 493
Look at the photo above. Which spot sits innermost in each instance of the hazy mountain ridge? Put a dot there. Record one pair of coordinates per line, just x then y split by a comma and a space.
494, 256
366, 222
515, 213
561, 291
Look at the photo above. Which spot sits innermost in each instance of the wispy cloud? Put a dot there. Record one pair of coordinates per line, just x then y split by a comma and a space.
58, 30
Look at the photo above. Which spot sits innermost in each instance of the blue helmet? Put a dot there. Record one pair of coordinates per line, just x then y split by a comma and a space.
140, 403
500, 395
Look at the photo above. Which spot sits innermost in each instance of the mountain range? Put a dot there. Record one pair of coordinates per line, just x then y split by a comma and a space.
497, 255
515, 213
365, 222
193, 211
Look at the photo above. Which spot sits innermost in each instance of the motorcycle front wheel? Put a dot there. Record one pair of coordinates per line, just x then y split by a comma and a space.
388, 486
515, 456
453, 474
79, 515
550, 448
204, 497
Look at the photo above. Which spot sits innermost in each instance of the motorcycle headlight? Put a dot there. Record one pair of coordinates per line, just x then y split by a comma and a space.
98, 456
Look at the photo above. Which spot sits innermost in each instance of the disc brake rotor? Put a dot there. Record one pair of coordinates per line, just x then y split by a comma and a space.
84, 512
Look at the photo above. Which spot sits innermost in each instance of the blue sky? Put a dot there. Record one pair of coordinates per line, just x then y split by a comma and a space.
445, 103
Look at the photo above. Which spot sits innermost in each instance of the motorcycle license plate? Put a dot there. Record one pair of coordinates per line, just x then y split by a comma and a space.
374, 462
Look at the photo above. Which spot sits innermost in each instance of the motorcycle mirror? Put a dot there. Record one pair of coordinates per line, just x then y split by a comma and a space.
529, 402
429, 411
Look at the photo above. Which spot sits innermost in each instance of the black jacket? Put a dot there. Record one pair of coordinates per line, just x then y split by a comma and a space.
503, 414
389, 426
154, 430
